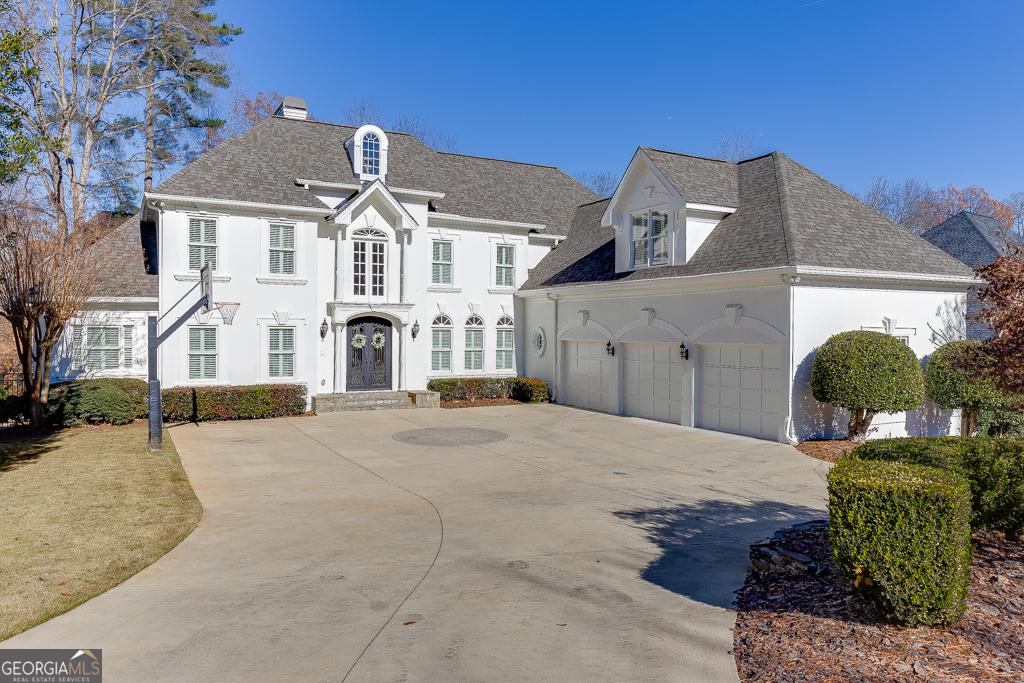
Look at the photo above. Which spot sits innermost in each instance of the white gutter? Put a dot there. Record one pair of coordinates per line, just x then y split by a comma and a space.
454, 218
619, 285
714, 208
123, 299
232, 203
887, 275
322, 184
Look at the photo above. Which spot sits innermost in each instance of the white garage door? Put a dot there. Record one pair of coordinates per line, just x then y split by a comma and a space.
588, 371
741, 389
652, 381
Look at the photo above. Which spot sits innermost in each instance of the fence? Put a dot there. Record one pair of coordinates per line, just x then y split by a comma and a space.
11, 380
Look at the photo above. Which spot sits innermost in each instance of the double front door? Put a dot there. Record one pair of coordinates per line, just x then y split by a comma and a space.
369, 354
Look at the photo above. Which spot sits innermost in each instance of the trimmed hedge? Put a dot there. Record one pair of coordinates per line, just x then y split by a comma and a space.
525, 389
901, 534
200, 404
92, 401
994, 469
950, 382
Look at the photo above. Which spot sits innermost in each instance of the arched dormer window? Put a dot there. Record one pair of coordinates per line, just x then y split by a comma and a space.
369, 150
441, 344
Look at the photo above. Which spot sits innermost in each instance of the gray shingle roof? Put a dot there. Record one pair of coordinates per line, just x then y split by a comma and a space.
972, 238
786, 215
698, 179
126, 249
262, 164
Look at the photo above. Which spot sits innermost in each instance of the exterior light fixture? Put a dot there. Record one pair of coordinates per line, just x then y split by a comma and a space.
323, 329
415, 329
684, 352
609, 348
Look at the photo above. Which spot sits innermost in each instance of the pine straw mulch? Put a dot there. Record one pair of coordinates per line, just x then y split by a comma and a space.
480, 402
809, 628
829, 450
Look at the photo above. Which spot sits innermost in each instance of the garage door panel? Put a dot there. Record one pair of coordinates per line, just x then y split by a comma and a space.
587, 375
661, 390
730, 377
730, 356
652, 381
741, 389
751, 378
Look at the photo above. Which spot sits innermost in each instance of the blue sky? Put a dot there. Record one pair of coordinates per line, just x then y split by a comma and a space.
851, 88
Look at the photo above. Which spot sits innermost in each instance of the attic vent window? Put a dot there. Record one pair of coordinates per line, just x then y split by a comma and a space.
371, 154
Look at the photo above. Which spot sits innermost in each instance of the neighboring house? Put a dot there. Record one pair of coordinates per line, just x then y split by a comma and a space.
362, 260
976, 241
698, 293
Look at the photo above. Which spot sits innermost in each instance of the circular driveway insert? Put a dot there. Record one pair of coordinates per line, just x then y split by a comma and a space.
449, 436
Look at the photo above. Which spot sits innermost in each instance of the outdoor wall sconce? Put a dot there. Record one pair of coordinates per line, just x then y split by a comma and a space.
684, 352
609, 349
323, 329
415, 329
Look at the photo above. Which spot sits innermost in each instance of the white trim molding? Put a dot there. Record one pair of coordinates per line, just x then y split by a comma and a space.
236, 204
483, 222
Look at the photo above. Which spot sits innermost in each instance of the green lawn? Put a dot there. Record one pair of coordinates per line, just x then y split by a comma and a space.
83, 510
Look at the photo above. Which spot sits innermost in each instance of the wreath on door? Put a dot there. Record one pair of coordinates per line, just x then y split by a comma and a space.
358, 341
378, 340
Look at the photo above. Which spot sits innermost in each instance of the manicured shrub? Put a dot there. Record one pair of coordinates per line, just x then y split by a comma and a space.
866, 373
199, 404
94, 401
952, 380
12, 408
526, 389
901, 534
530, 390
994, 469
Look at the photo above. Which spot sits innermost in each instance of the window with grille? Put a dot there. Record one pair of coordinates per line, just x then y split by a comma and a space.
441, 265
474, 343
102, 347
505, 273
202, 243
281, 347
649, 238
504, 348
368, 264
282, 249
202, 353
371, 154
441, 344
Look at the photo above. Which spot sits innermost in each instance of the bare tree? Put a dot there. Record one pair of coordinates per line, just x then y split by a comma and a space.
434, 139
733, 148
46, 276
363, 111
1016, 204
602, 184
900, 202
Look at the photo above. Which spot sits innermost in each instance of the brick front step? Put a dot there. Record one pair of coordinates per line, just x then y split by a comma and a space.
375, 400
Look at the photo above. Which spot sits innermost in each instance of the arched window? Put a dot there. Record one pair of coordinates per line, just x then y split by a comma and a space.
504, 348
368, 256
474, 343
441, 344
371, 154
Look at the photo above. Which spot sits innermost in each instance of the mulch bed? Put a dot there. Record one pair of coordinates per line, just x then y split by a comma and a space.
829, 450
479, 403
810, 628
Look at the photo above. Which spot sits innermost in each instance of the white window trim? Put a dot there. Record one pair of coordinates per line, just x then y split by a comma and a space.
456, 239
510, 328
221, 241
350, 252
222, 375
451, 350
518, 274
264, 276
357, 152
650, 240
68, 350
264, 323
482, 329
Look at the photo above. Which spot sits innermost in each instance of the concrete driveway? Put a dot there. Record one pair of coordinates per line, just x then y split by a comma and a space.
569, 545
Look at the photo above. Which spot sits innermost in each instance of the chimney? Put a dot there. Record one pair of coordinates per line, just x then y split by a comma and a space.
292, 108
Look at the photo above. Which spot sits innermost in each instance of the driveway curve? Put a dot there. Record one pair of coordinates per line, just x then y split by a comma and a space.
398, 545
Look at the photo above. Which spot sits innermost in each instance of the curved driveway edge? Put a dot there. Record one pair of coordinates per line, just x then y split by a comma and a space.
580, 547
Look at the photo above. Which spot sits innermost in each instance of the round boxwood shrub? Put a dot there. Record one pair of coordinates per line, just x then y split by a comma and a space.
901, 534
952, 379
866, 373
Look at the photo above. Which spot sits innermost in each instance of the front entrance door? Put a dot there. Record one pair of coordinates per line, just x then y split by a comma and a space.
369, 354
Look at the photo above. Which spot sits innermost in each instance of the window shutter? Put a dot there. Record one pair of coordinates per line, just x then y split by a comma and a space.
195, 367
288, 262
76, 347
194, 342
275, 236
435, 274
195, 230
129, 345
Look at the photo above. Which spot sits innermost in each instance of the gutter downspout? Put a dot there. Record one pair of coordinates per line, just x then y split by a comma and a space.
557, 344
790, 431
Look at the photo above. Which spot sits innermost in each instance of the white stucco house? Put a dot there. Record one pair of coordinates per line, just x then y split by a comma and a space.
363, 260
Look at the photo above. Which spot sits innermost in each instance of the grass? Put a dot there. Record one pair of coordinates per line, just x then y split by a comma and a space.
82, 511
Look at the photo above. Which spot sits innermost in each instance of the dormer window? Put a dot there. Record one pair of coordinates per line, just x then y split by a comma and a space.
369, 152
649, 238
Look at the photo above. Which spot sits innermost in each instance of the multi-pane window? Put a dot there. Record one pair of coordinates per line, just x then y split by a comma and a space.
441, 263
474, 343
202, 353
505, 269
371, 154
441, 344
649, 238
281, 352
202, 242
102, 347
504, 348
282, 249
368, 263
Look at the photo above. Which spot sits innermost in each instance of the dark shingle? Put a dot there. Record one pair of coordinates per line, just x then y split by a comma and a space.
699, 180
125, 251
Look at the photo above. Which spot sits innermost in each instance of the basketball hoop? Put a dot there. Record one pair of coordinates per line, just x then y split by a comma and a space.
227, 311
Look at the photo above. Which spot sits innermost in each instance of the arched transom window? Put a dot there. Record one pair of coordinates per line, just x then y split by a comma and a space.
441, 344
474, 343
371, 154
504, 347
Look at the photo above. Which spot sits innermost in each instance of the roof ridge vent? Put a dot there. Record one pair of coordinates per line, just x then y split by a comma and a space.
292, 108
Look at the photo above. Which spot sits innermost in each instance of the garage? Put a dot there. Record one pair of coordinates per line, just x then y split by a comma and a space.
588, 372
740, 389
652, 381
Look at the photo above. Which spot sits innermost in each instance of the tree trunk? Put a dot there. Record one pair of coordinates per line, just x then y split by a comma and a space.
968, 422
860, 422
149, 128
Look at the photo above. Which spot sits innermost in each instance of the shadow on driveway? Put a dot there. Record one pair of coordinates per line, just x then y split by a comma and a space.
705, 546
